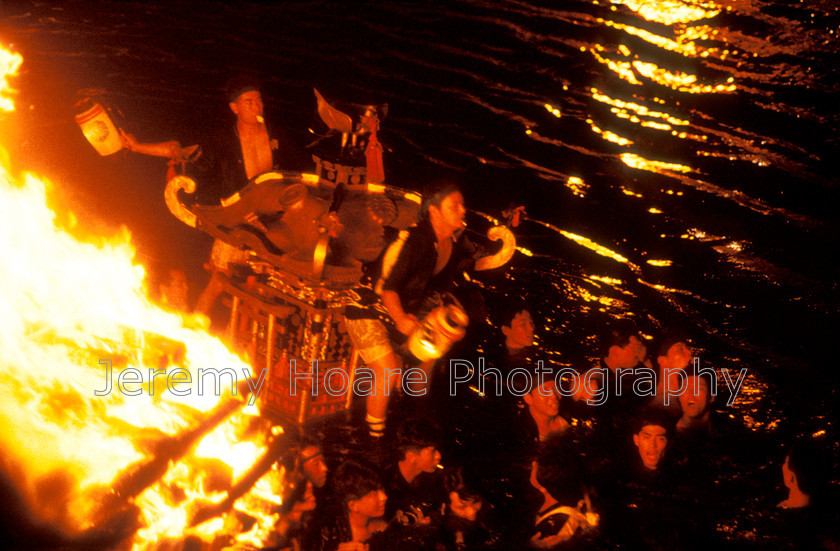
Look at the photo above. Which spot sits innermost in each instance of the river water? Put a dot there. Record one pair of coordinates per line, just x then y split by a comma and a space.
675, 157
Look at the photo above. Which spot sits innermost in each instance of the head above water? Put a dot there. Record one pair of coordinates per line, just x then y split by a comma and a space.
510, 308
624, 344
516, 324
807, 466
653, 416
542, 401
697, 397
651, 434
618, 334
354, 482
674, 351
313, 465
417, 441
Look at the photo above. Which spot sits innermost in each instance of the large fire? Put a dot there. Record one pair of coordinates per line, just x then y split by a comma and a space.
133, 460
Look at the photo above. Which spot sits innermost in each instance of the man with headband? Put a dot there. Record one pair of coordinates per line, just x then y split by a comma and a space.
417, 270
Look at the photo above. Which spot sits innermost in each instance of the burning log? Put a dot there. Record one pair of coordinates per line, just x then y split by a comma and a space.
137, 478
274, 452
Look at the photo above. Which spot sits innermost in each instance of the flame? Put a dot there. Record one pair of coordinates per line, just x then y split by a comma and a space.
73, 310
9, 63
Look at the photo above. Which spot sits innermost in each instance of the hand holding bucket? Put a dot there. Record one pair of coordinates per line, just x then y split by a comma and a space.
98, 128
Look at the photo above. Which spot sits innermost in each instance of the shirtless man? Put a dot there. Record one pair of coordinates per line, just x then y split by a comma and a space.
240, 152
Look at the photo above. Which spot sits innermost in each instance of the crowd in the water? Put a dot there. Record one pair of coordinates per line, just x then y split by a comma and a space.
633, 453
536, 466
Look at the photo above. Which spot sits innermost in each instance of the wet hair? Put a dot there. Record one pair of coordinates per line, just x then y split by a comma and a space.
309, 442
435, 192
462, 482
669, 339
311, 438
559, 470
299, 440
354, 480
618, 334
704, 374
416, 433
292, 460
547, 376
809, 460
240, 84
654, 416
509, 309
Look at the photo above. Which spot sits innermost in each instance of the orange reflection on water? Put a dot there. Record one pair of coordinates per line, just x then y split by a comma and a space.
635, 161
663, 263
669, 12
591, 245
662, 288
680, 81
606, 301
623, 69
656, 125
604, 279
609, 136
699, 32
588, 243
687, 48
577, 185
621, 109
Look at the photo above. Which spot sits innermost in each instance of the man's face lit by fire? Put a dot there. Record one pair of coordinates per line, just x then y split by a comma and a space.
521, 331
632, 354
248, 107
448, 217
313, 466
543, 400
428, 459
696, 398
370, 505
651, 442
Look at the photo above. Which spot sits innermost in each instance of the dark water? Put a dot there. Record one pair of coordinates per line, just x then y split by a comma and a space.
693, 145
